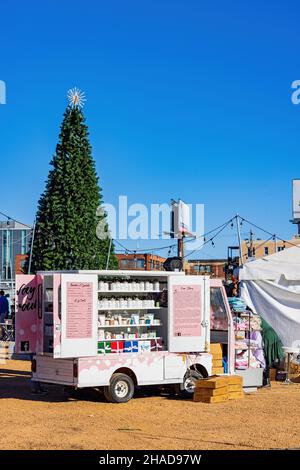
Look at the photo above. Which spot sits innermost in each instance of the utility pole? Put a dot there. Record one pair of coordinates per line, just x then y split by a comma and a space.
108, 254
180, 247
251, 243
237, 218
275, 243
31, 248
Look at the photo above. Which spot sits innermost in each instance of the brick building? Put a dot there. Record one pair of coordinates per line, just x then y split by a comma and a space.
256, 249
140, 262
210, 267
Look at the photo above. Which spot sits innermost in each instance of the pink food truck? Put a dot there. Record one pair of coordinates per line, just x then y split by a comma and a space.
119, 329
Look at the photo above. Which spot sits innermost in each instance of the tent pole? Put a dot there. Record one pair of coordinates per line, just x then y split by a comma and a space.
237, 217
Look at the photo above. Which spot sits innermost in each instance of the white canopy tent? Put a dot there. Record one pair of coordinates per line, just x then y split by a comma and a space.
271, 287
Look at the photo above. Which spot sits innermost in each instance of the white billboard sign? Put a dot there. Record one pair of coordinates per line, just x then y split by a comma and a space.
180, 219
296, 200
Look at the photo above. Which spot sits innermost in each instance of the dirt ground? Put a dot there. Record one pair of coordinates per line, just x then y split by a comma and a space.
267, 419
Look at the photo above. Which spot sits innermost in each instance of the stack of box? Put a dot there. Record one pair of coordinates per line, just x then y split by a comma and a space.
235, 387
212, 390
219, 389
217, 354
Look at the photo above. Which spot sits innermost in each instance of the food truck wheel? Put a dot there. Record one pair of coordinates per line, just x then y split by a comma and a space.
187, 387
120, 389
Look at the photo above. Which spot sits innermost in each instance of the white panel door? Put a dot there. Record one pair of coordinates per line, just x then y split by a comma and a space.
188, 329
79, 315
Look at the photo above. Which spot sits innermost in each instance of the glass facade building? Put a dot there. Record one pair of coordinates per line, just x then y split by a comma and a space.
14, 240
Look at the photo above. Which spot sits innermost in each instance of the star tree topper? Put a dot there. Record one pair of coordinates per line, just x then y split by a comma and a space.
76, 97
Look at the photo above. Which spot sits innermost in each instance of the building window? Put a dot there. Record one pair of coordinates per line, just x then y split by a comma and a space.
266, 250
140, 263
279, 248
23, 242
124, 263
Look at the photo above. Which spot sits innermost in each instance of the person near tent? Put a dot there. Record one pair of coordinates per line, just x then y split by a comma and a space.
4, 307
273, 351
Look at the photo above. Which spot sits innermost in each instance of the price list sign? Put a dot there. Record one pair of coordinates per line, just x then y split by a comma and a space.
79, 316
186, 310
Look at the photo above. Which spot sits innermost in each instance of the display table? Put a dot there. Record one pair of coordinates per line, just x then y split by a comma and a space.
288, 353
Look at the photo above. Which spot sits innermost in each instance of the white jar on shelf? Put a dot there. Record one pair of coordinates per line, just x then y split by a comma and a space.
149, 286
101, 335
142, 286
156, 286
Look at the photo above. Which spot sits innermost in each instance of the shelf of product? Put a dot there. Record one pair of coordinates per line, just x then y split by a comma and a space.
130, 345
248, 339
125, 332
129, 286
134, 319
106, 303
140, 325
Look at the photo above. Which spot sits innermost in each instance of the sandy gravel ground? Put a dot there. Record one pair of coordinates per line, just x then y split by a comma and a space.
267, 419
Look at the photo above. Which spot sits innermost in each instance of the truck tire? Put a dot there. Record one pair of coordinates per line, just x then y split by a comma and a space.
187, 387
120, 389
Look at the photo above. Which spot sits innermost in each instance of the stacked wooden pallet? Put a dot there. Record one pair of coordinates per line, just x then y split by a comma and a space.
212, 390
219, 389
6, 350
217, 354
235, 387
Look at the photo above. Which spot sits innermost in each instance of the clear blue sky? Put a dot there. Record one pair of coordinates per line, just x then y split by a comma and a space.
186, 98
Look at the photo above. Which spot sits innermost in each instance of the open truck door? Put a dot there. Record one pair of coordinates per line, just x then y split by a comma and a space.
189, 322
78, 314
29, 314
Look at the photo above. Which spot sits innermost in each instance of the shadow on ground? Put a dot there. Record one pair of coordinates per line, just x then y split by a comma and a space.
16, 384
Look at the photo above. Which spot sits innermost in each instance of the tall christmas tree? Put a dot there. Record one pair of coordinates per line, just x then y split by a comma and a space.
69, 210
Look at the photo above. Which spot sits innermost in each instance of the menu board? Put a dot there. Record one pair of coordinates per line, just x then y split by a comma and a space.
79, 318
187, 310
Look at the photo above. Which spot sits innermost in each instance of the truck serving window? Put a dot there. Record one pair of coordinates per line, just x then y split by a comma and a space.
218, 315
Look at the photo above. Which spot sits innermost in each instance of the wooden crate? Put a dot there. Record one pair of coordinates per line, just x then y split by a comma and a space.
211, 392
212, 382
236, 395
217, 370
235, 388
216, 349
235, 380
217, 362
217, 399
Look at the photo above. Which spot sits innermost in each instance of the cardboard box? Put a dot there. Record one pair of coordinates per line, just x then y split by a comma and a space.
104, 347
273, 374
